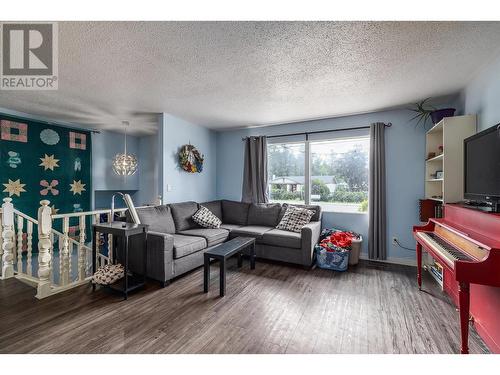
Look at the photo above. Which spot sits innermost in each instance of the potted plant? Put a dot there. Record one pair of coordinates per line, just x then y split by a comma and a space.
440, 114
425, 111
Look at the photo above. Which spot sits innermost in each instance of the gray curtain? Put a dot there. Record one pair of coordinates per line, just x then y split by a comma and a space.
377, 201
255, 171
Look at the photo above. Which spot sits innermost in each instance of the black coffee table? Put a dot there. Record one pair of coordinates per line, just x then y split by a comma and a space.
223, 252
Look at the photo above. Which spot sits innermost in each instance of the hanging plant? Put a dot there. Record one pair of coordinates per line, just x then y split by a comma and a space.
422, 112
190, 159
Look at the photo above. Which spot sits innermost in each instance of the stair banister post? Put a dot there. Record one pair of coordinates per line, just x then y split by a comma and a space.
82, 254
1, 243
44, 245
8, 238
64, 254
20, 226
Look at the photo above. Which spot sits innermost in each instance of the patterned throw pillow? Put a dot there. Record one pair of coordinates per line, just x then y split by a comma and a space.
295, 218
205, 218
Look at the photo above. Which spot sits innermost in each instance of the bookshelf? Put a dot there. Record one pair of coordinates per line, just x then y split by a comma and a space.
449, 133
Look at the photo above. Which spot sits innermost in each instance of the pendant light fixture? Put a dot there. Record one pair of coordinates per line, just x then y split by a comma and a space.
125, 164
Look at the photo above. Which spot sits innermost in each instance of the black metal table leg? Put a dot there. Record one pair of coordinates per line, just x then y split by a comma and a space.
252, 256
94, 254
145, 256
126, 266
206, 273
222, 264
240, 260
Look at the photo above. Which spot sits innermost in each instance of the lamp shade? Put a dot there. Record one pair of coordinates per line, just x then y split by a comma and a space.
124, 164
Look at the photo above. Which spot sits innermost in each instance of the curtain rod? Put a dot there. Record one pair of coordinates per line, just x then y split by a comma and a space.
388, 125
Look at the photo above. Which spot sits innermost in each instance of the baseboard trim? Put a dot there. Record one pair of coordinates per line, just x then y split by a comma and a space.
392, 260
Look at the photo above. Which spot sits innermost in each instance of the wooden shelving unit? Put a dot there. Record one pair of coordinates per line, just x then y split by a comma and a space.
449, 133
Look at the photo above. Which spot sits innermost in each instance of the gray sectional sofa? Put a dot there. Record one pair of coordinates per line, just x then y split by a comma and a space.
176, 243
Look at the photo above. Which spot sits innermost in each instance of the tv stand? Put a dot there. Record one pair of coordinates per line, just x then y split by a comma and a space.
492, 207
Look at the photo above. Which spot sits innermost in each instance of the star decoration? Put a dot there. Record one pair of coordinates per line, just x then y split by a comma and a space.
54, 209
14, 188
49, 162
77, 187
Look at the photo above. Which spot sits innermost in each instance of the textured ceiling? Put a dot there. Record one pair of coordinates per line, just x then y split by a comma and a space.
235, 74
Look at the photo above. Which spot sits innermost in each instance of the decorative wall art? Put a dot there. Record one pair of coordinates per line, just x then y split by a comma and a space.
14, 131
40, 161
190, 159
49, 137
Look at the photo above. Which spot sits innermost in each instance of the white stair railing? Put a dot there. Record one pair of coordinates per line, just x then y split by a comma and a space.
17, 258
7, 238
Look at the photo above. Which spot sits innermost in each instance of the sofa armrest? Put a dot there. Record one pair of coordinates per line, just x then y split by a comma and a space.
160, 256
309, 237
159, 264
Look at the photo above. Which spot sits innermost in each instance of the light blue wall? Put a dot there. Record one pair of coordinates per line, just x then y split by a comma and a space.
198, 187
142, 186
482, 96
405, 154
105, 145
149, 166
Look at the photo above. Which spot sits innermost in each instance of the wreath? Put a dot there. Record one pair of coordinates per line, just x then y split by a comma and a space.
190, 159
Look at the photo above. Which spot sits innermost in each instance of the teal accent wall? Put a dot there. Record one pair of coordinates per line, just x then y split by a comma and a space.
21, 155
105, 145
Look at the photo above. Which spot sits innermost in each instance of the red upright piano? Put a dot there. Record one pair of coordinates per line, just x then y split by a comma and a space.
466, 243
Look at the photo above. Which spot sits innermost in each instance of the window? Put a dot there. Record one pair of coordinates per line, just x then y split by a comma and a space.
285, 165
338, 173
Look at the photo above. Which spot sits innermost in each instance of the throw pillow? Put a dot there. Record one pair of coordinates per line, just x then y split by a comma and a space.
295, 218
205, 218
108, 274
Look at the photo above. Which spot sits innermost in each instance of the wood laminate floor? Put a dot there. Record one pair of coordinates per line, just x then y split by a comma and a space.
373, 308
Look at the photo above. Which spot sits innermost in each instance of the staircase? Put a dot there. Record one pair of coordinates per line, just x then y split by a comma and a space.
59, 260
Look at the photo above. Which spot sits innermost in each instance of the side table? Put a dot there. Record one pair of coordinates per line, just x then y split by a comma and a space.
124, 231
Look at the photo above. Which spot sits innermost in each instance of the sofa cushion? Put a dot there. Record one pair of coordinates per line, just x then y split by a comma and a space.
212, 236
185, 245
264, 214
206, 218
182, 214
215, 207
295, 218
230, 227
317, 209
283, 238
235, 212
159, 218
256, 231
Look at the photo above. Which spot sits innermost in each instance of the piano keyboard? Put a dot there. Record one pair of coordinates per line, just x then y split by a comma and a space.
444, 248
